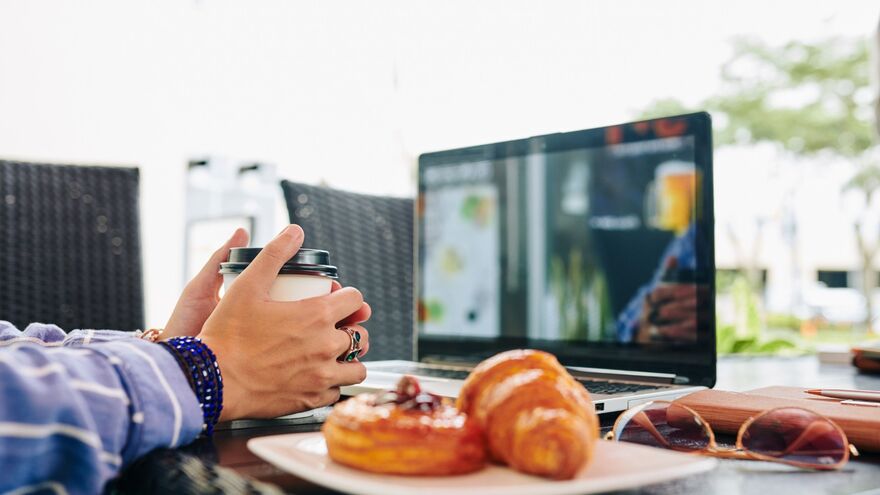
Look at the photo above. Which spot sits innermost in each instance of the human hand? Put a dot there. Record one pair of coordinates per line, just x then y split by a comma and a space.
361, 315
202, 293
281, 357
669, 313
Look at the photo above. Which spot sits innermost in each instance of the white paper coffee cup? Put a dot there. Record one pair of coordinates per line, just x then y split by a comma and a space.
307, 274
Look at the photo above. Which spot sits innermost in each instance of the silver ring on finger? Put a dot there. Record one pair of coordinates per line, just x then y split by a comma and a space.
354, 348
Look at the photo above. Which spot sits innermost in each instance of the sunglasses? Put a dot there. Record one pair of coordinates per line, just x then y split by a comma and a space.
789, 435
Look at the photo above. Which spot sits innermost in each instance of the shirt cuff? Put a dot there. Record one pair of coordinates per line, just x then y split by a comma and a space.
164, 410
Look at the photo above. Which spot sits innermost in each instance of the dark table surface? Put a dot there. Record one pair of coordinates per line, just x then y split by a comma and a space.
229, 447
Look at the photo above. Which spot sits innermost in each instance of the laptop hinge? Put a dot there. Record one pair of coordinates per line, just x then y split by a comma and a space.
581, 372
449, 362
642, 376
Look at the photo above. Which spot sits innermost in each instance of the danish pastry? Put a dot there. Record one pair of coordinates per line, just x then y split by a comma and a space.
405, 431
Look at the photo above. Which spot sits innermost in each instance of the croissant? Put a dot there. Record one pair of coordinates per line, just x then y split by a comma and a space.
535, 417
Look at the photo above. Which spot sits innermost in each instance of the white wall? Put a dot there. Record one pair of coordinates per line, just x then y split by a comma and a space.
347, 92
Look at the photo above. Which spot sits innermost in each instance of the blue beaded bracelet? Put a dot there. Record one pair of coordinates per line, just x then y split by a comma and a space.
200, 367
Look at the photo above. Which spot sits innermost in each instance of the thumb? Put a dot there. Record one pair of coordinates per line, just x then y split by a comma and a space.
261, 273
209, 278
210, 270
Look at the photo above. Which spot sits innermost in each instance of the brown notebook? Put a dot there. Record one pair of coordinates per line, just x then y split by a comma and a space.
726, 411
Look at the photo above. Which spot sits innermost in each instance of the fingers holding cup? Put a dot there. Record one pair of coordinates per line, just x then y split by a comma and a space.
261, 273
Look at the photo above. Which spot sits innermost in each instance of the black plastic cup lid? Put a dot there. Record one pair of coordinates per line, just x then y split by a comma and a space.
305, 262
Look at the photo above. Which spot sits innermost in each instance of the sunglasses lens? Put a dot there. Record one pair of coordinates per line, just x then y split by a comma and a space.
796, 435
665, 425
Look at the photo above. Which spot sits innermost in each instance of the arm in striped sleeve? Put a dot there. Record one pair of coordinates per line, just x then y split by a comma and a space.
71, 417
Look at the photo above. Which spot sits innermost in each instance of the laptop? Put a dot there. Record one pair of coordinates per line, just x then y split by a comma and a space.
595, 245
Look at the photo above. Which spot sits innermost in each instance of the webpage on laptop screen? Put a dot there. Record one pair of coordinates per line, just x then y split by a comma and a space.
593, 244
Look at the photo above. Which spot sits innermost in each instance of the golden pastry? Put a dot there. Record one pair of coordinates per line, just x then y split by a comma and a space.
536, 418
405, 431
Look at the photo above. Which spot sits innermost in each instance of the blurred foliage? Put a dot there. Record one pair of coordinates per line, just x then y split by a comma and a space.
866, 182
827, 88
746, 335
728, 342
724, 280
749, 316
806, 97
754, 332
788, 322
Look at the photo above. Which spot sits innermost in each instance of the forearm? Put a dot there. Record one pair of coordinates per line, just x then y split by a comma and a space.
48, 335
75, 416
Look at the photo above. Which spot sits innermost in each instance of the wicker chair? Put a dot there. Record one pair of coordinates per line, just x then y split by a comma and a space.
70, 249
370, 239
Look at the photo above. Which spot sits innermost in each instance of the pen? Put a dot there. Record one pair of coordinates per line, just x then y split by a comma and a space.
858, 395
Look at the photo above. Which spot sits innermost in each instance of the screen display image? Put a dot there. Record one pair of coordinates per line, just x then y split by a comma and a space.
589, 243
620, 243
461, 271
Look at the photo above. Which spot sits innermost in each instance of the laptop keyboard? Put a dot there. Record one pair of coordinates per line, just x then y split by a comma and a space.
592, 385
449, 373
605, 387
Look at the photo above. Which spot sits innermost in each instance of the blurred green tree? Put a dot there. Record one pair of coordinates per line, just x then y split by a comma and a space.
810, 99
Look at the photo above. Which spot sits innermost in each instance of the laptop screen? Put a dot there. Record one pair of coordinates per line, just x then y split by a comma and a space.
595, 245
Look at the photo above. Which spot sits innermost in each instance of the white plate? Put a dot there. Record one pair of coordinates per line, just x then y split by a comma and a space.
617, 466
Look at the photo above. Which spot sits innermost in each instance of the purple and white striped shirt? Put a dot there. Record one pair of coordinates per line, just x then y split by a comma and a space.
76, 407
